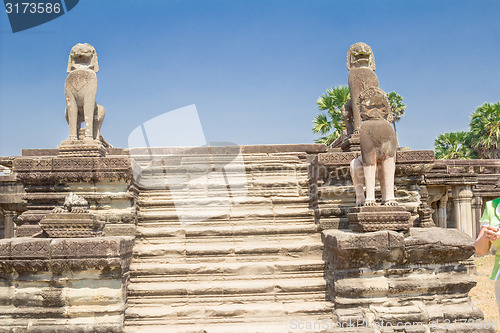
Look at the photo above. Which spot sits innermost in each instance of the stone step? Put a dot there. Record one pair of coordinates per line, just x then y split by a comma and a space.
224, 240
215, 299
185, 206
268, 326
223, 246
189, 153
166, 193
223, 213
254, 317
246, 272
243, 174
225, 269
254, 220
181, 189
262, 257
182, 185
228, 253
225, 243
230, 287
196, 158
225, 229
220, 166
166, 199
246, 172
235, 194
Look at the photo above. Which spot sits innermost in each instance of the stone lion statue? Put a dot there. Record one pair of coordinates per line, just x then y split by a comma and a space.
80, 91
361, 66
378, 150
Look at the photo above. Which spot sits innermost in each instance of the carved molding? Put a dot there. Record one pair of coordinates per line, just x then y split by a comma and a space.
376, 218
38, 170
402, 157
35, 254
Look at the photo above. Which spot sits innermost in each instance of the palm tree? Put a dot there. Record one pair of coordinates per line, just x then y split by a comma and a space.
331, 102
453, 145
397, 107
485, 130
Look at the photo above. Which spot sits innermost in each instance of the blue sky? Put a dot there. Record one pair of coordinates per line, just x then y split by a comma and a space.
254, 69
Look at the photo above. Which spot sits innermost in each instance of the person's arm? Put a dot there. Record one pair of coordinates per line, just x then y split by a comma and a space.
483, 241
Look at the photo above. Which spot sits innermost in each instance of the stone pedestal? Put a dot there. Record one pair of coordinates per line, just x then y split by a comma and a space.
81, 148
336, 195
64, 285
351, 143
386, 278
71, 225
375, 218
105, 182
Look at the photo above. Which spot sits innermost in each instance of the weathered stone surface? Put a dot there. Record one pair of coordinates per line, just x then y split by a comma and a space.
405, 158
231, 150
442, 245
354, 250
42, 170
81, 148
105, 183
70, 225
110, 151
226, 254
65, 285
375, 218
387, 277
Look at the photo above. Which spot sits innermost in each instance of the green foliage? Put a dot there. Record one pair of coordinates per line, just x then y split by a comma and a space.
331, 120
453, 145
397, 106
485, 130
331, 102
481, 141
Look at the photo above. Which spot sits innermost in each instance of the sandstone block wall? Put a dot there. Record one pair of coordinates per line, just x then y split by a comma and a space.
104, 182
64, 285
387, 277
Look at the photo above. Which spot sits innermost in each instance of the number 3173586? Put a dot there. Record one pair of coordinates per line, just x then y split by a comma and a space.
33, 8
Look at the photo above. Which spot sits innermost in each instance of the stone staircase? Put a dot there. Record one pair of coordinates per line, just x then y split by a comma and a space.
225, 242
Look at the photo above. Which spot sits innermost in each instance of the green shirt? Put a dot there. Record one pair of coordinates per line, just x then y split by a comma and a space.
491, 216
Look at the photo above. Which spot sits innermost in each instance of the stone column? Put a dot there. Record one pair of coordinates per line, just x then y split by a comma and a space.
442, 218
462, 202
9, 223
477, 204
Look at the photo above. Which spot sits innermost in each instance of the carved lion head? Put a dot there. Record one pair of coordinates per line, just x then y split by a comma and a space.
360, 55
83, 56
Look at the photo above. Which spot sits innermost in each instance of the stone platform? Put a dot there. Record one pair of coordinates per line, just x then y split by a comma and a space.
64, 285
385, 277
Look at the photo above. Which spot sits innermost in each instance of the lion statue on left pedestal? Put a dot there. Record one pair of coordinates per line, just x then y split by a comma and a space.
80, 91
